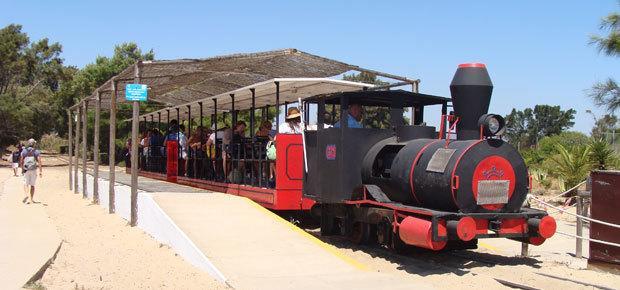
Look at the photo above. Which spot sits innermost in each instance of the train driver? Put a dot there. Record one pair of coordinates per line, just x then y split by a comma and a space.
354, 116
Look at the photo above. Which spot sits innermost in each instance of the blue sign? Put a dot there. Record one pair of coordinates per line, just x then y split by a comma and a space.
136, 92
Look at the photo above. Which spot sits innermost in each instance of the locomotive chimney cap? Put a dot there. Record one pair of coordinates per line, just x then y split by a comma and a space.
472, 64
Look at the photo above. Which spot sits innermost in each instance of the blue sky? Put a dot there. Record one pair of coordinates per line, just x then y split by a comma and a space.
536, 51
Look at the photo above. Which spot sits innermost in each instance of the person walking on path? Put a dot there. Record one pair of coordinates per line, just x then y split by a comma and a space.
15, 159
30, 160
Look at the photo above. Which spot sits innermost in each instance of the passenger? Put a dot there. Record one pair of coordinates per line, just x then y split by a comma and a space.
194, 143
263, 137
156, 150
198, 138
127, 153
173, 129
293, 122
183, 145
239, 132
175, 133
15, 158
264, 130
354, 116
156, 139
224, 134
238, 150
144, 142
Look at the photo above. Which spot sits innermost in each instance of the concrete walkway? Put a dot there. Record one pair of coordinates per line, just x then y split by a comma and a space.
256, 249
28, 239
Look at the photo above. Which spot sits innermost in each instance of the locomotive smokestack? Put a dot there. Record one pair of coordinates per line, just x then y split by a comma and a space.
471, 90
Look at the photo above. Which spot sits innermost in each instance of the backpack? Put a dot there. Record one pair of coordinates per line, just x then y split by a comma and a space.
271, 150
30, 161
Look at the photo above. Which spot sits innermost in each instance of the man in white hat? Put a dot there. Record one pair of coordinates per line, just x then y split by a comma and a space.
30, 160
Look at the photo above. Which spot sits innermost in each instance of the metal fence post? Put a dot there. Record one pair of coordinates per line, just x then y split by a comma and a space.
579, 226
524, 249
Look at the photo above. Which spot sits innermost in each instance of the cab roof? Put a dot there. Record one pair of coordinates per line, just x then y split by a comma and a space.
382, 98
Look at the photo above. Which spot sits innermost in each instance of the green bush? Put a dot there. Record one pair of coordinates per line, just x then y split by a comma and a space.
572, 165
547, 145
602, 155
52, 143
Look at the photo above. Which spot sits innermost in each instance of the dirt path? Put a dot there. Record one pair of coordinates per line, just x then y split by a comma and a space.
100, 251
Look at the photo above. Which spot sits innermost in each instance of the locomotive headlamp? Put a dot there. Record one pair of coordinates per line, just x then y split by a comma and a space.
492, 124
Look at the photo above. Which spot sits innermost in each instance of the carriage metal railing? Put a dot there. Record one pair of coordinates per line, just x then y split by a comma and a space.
243, 162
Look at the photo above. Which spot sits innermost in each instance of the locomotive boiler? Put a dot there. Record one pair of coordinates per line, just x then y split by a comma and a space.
416, 185
469, 174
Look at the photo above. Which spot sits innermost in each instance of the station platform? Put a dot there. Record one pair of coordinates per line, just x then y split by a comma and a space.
245, 245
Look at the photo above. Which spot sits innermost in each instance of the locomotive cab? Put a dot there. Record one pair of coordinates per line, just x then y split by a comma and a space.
338, 151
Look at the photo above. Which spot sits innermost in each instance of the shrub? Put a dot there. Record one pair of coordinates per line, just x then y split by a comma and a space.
572, 165
52, 142
602, 155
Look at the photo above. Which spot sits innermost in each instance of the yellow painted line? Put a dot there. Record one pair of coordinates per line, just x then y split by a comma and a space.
329, 248
488, 247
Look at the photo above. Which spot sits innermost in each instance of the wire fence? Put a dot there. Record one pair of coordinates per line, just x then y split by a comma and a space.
573, 214
580, 214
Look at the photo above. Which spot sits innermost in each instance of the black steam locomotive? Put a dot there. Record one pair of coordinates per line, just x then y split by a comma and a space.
416, 185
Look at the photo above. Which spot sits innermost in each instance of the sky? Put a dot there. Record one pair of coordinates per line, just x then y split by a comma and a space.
536, 52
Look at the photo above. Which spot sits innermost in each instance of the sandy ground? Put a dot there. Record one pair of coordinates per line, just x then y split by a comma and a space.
100, 251
549, 266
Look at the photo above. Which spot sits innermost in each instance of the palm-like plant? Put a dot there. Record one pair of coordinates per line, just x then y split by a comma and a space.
601, 154
573, 165
607, 94
610, 45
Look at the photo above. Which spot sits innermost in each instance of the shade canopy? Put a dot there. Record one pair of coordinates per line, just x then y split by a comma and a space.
176, 82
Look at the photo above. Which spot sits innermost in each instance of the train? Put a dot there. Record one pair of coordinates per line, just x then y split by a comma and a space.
403, 184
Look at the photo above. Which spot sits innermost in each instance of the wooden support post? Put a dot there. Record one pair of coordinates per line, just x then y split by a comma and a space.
135, 122
70, 143
96, 149
78, 121
579, 226
84, 147
112, 149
